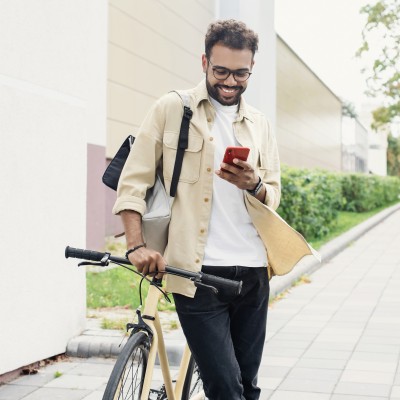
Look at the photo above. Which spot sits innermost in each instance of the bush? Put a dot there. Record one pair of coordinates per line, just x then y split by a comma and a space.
367, 192
311, 199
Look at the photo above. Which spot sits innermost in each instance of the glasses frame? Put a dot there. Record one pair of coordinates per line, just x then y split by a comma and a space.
229, 71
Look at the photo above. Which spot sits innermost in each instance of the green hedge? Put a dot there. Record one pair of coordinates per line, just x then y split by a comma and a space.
311, 199
367, 192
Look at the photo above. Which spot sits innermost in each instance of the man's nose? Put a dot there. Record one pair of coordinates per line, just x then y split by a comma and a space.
230, 80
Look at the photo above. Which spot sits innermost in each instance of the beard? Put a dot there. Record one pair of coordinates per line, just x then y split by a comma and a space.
216, 92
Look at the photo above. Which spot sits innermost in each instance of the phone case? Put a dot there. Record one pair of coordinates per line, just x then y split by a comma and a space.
235, 152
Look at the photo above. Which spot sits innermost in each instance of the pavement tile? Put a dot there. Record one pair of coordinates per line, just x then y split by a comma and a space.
367, 377
298, 395
15, 392
307, 385
265, 394
318, 374
320, 344
363, 389
321, 363
352, 397
295, 344
279, 361
395, 394
328, 354
57, 394
94, 396
282, 351
39, 379
291, 334
381, 348
269, 383
273, 371
100, 370
377, 366
77, 382
372, 357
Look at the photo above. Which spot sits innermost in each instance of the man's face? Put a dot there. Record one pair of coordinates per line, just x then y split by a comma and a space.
227, 91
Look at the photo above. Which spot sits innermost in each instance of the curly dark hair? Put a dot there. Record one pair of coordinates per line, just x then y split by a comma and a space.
230, 33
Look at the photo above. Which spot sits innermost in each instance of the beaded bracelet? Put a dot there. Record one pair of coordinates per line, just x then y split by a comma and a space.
134, 249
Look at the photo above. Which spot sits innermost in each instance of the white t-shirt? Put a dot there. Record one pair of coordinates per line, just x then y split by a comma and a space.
232, 237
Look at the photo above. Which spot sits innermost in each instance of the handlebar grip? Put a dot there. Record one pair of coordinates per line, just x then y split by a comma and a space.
218, 282
83, 254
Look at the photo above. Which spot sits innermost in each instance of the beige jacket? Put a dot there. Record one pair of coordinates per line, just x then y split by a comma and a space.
156, 145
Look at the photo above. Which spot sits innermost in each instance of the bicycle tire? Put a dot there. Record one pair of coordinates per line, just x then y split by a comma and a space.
127, 376
193, 383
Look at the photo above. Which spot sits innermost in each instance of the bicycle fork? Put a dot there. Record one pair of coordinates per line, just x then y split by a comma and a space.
158, 345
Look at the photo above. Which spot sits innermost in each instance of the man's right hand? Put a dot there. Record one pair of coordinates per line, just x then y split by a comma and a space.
147, 261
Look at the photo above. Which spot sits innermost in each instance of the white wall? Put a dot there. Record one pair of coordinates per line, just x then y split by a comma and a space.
50, 96
259, 16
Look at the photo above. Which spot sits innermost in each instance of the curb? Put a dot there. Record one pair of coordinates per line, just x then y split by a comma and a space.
108, 343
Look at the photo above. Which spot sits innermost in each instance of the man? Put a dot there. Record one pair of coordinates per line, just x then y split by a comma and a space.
210, 228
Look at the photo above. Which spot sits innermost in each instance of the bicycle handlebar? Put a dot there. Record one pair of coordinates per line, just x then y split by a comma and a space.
201, 277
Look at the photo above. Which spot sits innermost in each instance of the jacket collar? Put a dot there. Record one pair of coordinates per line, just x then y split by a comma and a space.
201, 94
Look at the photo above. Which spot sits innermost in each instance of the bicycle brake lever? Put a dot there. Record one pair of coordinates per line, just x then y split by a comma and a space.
104, 262
212, 288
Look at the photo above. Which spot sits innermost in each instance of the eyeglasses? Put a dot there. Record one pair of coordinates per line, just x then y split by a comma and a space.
222, 73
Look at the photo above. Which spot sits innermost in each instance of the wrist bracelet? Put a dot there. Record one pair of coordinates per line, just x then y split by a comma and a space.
134, 249
258, 187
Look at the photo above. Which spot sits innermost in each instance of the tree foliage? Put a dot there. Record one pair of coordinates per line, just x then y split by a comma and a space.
381, 38
349, 109
393, 156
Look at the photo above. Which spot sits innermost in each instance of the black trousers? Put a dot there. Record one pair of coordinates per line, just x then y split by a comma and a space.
226, 333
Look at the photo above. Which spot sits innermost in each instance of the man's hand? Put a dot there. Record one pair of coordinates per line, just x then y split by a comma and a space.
241, 174
147, 261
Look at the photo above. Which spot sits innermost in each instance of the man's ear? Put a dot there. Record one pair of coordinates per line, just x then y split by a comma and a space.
204, 62
252, 64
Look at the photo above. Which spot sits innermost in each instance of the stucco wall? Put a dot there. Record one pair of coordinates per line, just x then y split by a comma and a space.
154, 47
308, 115
50, 97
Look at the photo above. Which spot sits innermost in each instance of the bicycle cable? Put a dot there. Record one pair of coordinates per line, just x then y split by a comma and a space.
143, 277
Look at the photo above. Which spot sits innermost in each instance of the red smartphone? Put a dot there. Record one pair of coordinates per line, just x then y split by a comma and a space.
232, 152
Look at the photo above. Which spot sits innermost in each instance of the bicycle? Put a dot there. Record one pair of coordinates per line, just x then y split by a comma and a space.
131, 377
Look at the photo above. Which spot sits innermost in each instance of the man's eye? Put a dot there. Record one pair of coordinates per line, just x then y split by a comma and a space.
241, 74
221, 71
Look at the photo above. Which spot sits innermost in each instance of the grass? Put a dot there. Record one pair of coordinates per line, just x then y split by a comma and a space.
119, 287
346, 220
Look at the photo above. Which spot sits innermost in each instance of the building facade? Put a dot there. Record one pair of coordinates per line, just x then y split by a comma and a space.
52, 111
308, 115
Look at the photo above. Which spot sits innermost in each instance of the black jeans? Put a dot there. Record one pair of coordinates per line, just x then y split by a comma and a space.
226, 333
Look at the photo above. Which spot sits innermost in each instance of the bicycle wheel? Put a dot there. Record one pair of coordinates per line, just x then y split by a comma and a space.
193, 383
127, 376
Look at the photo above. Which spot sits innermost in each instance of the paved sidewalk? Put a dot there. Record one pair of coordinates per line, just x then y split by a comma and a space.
337, 338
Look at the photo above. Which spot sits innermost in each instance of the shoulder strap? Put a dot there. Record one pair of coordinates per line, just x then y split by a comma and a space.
182, 142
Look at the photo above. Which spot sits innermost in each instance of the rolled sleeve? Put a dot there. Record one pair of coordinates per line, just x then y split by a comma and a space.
129, 203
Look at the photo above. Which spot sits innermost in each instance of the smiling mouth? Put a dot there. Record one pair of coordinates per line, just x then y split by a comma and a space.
228, 90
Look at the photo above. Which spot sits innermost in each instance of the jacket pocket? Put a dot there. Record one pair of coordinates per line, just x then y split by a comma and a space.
190, 172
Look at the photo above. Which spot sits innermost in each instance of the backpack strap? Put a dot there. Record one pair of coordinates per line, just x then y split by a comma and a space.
183, 141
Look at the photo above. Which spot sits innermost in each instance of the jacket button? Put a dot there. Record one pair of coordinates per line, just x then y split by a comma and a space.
209, 119
202, 231
206, 199
208, 169
211, 139
197, 260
